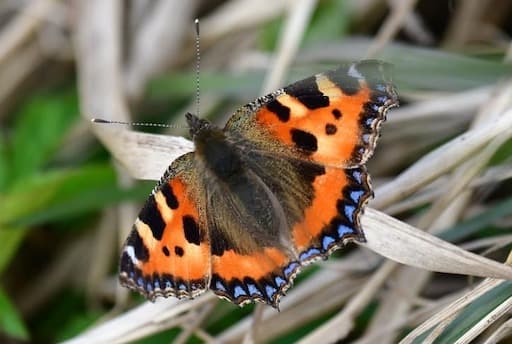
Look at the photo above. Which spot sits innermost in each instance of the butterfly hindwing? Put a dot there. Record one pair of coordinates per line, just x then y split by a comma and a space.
262, 276
332, 219
323, 217
168, 251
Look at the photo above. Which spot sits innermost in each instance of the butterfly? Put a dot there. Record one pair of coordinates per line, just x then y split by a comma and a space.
281, 185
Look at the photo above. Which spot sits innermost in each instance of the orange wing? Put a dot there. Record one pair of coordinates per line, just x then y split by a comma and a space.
329, 221
331, 118
332, 218
168, 251
261, 276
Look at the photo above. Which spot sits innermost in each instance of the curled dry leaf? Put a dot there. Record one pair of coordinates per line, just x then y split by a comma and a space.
405, 244
145, 156
143, 320
441, 160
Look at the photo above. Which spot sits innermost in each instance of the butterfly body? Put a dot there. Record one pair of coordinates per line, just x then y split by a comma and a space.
281, 185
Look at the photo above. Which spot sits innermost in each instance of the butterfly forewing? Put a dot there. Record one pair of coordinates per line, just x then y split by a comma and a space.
331, 118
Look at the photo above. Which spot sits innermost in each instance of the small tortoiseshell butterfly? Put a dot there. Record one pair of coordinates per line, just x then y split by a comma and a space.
282, 185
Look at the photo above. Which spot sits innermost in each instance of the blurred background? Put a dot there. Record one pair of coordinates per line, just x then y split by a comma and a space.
66, 205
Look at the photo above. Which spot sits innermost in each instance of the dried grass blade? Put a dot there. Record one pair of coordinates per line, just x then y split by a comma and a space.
405, 244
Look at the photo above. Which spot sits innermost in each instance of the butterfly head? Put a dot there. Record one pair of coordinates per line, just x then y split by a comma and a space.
204, 134
198, 126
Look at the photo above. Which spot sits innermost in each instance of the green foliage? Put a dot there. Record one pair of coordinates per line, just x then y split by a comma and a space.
472, 314
414, 69
475, 312
3, 163
11, 238
269, 34
33, 191
503, 154
66, 315
76, 323
432, 69
330, 22
297, 334
166, 337
182, 84
41, 124
479, 222
10, 321
62, 193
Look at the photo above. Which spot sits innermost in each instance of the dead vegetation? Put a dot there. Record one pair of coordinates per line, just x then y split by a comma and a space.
442, 168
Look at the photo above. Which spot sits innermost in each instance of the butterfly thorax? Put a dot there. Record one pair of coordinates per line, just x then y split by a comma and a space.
213, 148
243, 200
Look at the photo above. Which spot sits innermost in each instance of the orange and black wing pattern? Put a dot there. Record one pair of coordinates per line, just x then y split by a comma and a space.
292, 191
332, 118
168, 251
322, 208
323, 129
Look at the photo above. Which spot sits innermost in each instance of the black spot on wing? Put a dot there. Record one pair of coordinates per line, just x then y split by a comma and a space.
179, 251
307, 92
165, 250
151, 216
140, 250
191, 229
304, 140
330, 129
336, 113
170, 197
282, 112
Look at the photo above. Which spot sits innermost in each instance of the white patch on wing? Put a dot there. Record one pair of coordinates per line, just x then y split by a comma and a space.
353, 72
130, 251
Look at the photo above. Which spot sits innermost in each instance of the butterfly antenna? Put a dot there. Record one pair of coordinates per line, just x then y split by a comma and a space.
135, 124
198, 65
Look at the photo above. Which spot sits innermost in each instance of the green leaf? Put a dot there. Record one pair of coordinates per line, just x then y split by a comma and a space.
76, 323
11, 239
66, 315
414, 68
10, 321
182, 84
474, 312
4, 165
503, 154
42, 123
430, 69
475, 224
54, 195
167, 336
269, 33
96, 198
330, 22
